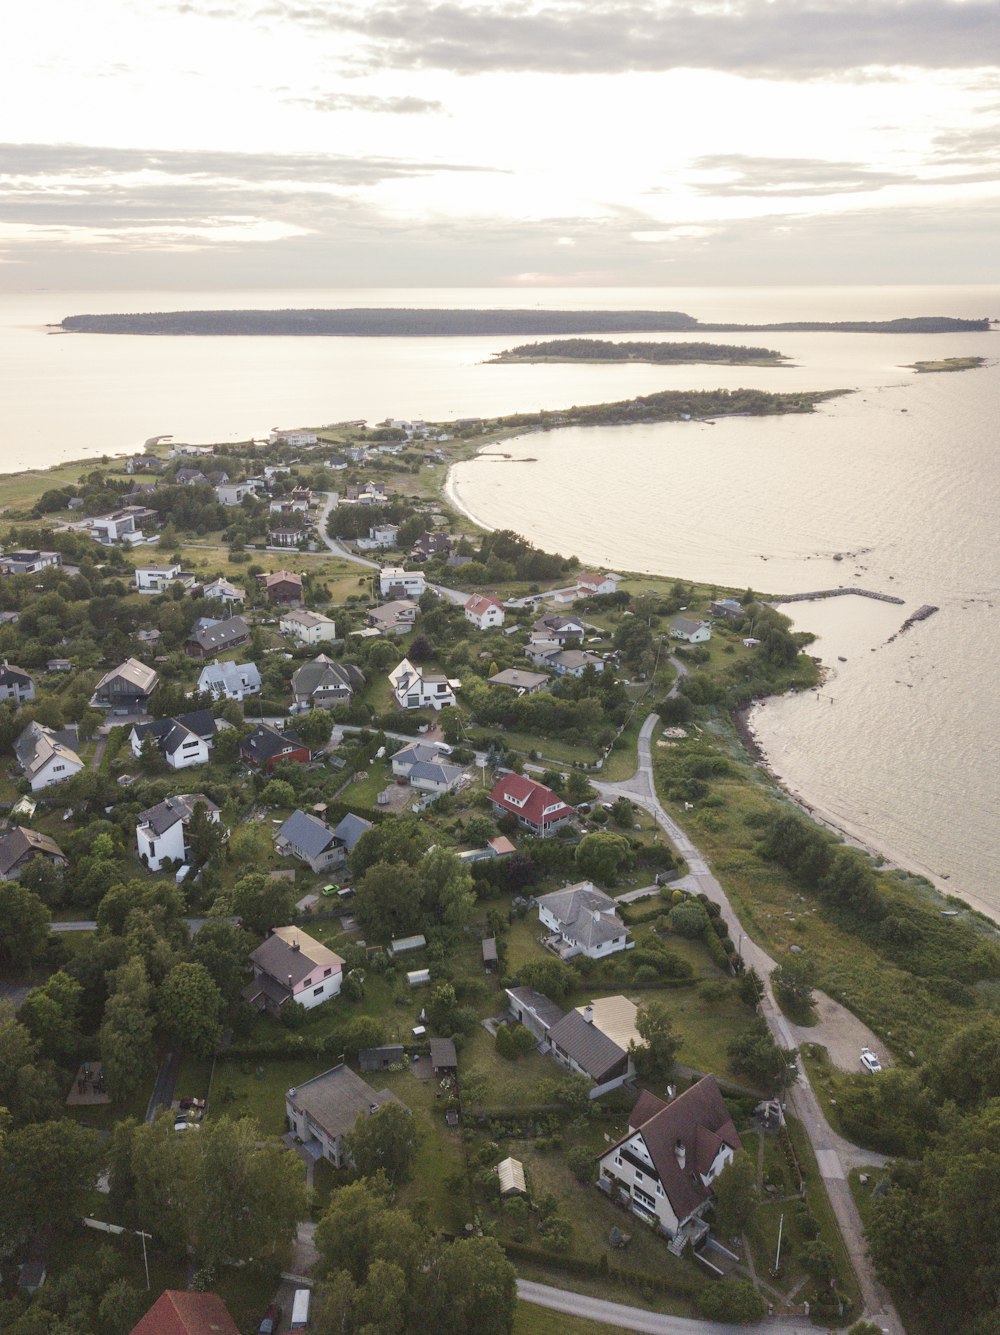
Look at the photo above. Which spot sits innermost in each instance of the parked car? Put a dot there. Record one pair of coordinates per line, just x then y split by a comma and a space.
331, 889
271, 1320
870, 1061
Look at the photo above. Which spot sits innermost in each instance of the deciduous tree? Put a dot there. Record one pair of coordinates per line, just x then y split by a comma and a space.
384, 1141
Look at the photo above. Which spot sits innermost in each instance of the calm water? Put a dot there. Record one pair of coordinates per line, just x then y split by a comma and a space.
900, 745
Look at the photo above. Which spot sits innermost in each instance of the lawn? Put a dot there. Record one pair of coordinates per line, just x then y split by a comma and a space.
822, 1210
256, 1087
530, 1319
509, 1084
362, 792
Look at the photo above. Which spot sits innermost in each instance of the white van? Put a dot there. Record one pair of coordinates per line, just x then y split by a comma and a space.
300, 1310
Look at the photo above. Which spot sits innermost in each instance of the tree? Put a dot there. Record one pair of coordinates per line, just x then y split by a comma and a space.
736, 1196
278, 793
51, 1014
478, 829
24, 926
689, 919
514, 1040
473, 1287
403, 840
28, 1088
259, 902
45, 1170
446, 885
360, 1225
793, 982
582, 1164
387, 900
384, 1141
549, 976
654, 1058
222, 948
621, 813
634, 641
735, 1300
205, 836
189, 1005
753, 1052
314, 729
441, 1007
249, 845
127, 1032
601, 856
818, 1259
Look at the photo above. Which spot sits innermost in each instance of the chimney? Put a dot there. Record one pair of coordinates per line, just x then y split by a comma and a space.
671, 1093
681, 1154
588, 1014
597, 915
372, 1109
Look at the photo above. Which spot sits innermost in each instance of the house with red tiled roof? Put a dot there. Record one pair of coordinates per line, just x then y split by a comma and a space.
177, 1312
484, 612
536, 807
664, 1166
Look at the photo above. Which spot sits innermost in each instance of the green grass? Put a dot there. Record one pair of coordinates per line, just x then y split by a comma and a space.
363, 792
513, 1084
530, 1319
193, 1078
238, 1090
822, 1210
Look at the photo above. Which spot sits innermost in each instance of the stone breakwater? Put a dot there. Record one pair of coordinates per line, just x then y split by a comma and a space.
834, 593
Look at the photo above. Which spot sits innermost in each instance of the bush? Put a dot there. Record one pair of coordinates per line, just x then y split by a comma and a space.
514, 1040
731, 1300
689, 920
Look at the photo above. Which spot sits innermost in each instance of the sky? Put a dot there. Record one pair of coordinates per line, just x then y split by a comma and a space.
232, 144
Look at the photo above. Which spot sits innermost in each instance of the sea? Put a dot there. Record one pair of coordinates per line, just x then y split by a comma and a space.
892, 487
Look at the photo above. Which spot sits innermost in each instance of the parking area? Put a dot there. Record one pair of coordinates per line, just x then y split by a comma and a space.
841, 1033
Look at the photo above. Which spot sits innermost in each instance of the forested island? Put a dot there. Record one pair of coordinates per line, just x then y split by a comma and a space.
364, 322
673, 405
947, 364
601, 350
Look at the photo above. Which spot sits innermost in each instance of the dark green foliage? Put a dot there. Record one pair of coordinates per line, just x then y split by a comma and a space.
514, 1040
753, 1052
731, 1300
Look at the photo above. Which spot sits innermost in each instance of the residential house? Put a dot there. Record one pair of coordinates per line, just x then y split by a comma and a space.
311, 840
157, 578
561, 629
574, 1039
536, 807
394, 618
589, 582
729, 608
230, 681
323, 683
323, 1111
126, 688
336, 463
190, 477
295, 504
349, 830
368, 493
28, 562
162, 831
429, 545
15, 684
180, 1312
485, 612
297, 439
519, 681
224, 591
19, 846
267, 747
291, 966
664, 1166
218, 637
47, 757
282, 588
119, 526
308, 627
232, 493
142, 463
424, 767
286, 537
584, 921
379, 536
573, 662
151, 637
183, 741
396, 582
692, 632
412, 688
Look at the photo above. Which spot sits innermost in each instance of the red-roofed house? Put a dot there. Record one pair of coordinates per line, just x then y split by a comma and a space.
536, 807
484, 612
664, 1167
177, 1312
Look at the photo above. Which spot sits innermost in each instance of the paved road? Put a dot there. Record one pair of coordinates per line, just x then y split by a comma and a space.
636, 1318
835, 1156
194, 924
163, 1090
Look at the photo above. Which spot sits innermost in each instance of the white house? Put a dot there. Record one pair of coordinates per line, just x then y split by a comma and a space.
484, 612
536, 807
307, 627
294, 438
575, 1039
311, 840
693, 632
415, 689
424, 767
117, 527
400, 582
224, 591
231, 493
15, 684
156, 578
589, 582
584, 921
162, 830
46, 757
393, 618
380, 536
322, 1111
664, 1166
230, 681
291, 966
183, 741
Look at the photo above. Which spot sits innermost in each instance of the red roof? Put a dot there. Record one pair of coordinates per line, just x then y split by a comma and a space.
524, 797
177, 1312
480, 603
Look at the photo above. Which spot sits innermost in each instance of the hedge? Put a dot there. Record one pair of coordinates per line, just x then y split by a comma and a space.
670, 1284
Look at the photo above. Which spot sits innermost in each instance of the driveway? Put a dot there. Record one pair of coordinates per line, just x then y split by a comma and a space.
841, 1033
835, 1156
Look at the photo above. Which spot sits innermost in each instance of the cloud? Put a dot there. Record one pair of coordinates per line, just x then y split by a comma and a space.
397, 106
772, 38
738, 174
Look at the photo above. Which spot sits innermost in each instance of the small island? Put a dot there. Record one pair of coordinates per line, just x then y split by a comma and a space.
602, 350
946, 364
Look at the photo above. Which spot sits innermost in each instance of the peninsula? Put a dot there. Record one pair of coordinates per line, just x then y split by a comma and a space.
947, 364
601, 350
672, 405
362, 322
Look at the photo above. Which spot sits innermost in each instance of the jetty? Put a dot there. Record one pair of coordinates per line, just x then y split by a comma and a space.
921, 614
816, 594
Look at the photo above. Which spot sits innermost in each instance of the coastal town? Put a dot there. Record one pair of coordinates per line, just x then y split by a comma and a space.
476, 958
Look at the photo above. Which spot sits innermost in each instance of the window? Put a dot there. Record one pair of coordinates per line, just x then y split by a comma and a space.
307, 982
327, 973
618, 1160
58, 769
642, 1199
317, 991
639, 1176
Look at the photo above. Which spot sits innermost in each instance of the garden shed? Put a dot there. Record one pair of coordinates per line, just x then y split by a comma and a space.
511, 1175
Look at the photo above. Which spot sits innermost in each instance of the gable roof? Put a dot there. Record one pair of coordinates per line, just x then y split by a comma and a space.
289, 955
307, 833
527, 797
699, 1120
37, 745
685, 626
265, 742
177, 1312
230, 674
224, 587
350, 830
335, 1099
587, 1045
13, 676
137, 674
480, 603
302, 616
282, 577
169, 731
166, 814
19, 842
323, 673
220, 635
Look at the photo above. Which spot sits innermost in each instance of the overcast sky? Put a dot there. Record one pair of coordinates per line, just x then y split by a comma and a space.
320, 143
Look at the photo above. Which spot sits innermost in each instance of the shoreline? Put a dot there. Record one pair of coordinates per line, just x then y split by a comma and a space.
812, 808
